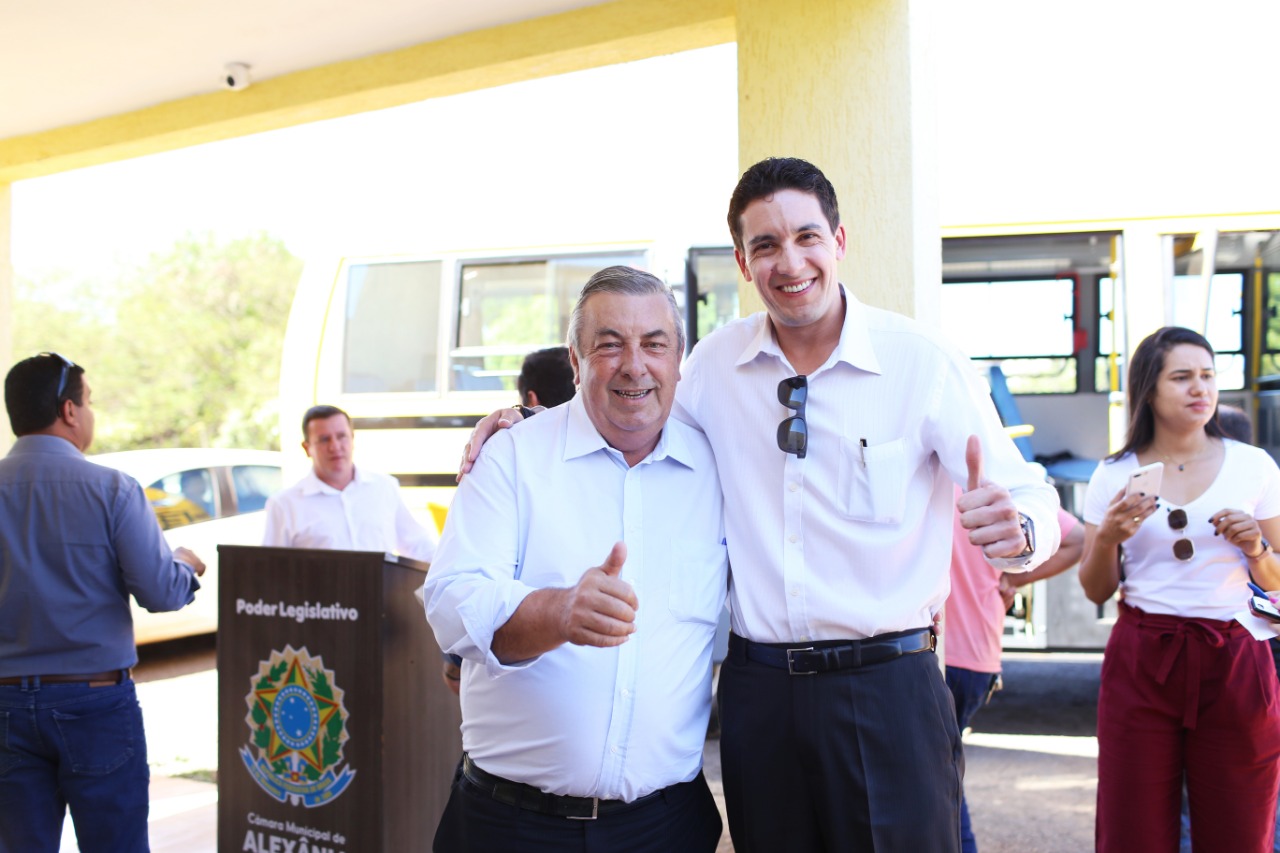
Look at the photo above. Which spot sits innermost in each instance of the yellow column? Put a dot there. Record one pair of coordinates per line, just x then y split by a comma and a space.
6, 301
848, 85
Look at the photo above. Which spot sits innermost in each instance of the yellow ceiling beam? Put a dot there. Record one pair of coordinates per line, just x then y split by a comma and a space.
621, 31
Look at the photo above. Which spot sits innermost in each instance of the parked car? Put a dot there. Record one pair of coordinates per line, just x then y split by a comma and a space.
203, 498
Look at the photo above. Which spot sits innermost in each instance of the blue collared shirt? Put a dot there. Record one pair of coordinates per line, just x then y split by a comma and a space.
546, 502
76, 540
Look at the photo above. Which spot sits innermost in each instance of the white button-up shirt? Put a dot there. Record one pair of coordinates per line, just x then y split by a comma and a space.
368, 515
854, 540
545, 502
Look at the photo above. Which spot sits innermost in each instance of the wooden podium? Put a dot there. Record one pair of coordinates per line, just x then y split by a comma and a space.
334, 726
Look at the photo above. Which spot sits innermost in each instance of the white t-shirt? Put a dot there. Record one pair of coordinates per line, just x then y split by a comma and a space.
1211, 584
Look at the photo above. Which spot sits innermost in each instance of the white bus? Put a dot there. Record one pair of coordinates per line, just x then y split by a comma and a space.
418, 348
1056, 310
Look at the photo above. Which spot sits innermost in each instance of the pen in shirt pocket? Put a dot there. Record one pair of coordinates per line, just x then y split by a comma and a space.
862, 451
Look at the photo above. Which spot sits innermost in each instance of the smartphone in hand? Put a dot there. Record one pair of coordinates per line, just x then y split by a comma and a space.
1145, 480
1263, 608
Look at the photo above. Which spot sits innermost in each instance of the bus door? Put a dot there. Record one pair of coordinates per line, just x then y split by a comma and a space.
1025, 308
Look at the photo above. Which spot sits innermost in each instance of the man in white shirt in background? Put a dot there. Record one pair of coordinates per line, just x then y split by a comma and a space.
580, 576
341, 506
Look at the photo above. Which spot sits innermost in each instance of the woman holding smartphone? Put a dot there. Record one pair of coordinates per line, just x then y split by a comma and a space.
1185, 688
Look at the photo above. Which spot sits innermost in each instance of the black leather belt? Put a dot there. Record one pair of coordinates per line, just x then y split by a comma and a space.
96, 679
524, 796
814, 658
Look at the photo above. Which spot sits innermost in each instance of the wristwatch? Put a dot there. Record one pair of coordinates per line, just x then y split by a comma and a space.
525, 411
1029, 532
1019, 560
1266, 549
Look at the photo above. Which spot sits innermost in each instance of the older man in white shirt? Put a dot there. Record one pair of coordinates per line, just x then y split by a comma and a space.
586, 685
338, 505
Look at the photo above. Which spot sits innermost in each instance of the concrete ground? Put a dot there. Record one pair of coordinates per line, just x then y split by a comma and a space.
1031, 777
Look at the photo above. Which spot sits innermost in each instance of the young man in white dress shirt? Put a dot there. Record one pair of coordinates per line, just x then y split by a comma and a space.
837, 730
580, 576
840, 429
338, 505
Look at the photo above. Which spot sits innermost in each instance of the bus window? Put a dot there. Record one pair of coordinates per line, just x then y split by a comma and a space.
1212, 275
1224, 330
1110, 322
1271, 325
713, 285
1035, 346
1218, 315
392, 329
1026, 301
506, 310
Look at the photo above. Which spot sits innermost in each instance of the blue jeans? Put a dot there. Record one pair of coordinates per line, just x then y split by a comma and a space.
72, 745
971, 690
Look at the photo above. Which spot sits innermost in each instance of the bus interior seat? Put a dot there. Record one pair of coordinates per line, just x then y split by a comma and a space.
1063, 467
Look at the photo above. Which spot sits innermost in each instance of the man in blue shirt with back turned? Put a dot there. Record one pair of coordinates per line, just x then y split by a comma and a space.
76, 540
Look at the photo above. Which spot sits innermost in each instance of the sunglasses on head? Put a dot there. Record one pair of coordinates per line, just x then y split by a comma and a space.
67, 364
793, 432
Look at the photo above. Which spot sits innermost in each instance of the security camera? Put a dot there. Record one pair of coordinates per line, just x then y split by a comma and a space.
236, 76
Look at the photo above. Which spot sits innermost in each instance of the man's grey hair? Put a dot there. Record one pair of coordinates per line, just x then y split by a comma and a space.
629, 282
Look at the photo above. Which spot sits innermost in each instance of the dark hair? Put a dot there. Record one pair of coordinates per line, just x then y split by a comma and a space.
321, 413
627, 281
31, 391
547, 373
1235, 423
1144, 373
781, 173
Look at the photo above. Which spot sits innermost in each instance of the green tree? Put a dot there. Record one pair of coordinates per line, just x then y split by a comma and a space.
183, 351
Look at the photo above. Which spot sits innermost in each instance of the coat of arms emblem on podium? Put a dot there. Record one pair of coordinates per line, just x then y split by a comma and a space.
298, 726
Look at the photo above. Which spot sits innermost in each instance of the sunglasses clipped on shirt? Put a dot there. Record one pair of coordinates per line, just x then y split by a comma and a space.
1183, 549
793, 432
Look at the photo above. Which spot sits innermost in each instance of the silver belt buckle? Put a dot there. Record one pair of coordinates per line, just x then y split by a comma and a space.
791, 670
595, 811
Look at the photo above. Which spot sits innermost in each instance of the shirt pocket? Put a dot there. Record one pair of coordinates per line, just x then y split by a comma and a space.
699, 582
873, 480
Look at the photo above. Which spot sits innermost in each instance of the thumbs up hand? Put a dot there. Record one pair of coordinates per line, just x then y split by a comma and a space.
600, 610
987, 510
973, 460
612, 565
